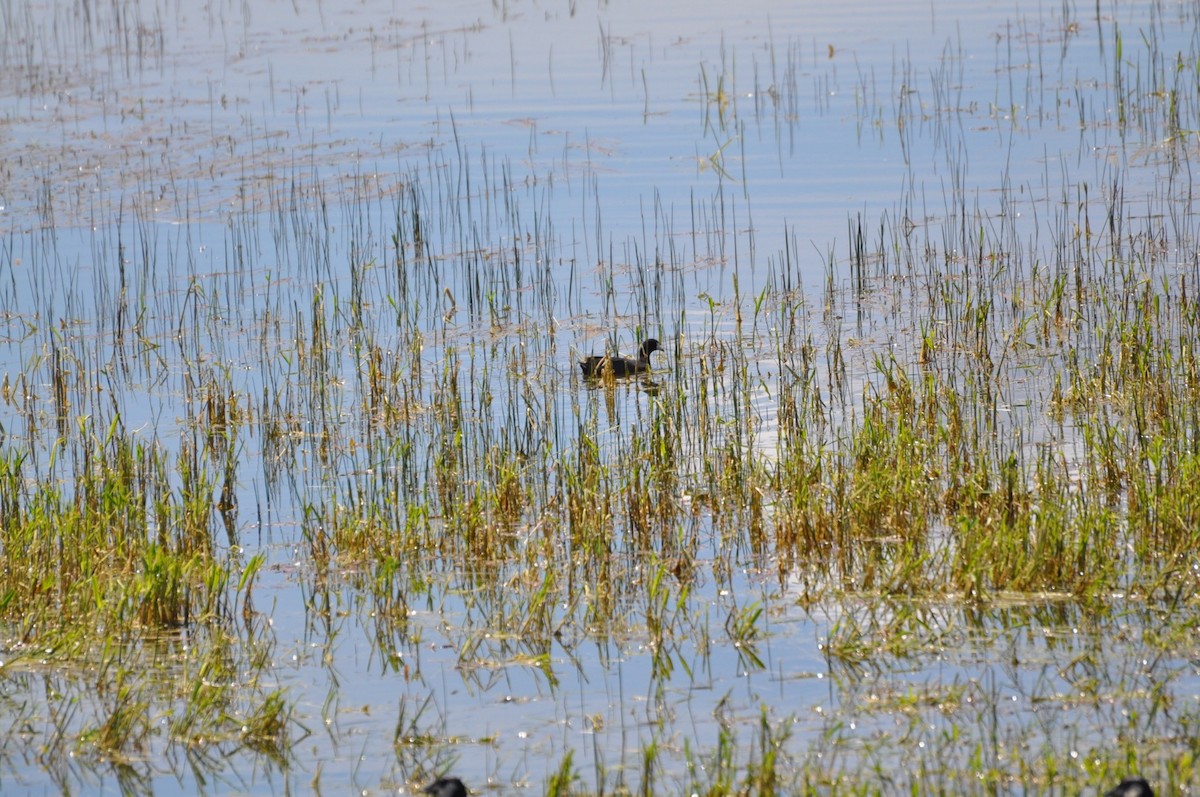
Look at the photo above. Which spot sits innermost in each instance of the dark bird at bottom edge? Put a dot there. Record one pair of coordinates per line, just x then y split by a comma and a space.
599, 365
1131, 787
446, 787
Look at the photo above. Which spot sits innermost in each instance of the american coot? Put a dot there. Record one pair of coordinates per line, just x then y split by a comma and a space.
446, 787
598, 366
1131, 787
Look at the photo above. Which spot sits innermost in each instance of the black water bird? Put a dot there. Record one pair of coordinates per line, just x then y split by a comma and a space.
600, 365
446, 787
1131, 787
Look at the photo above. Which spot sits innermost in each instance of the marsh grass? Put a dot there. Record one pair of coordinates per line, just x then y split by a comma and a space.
962, 441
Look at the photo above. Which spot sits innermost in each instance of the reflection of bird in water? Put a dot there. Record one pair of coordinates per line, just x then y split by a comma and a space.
601, 365
446, 787
1131, 787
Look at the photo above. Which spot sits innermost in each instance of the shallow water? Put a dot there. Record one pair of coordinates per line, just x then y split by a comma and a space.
179, 183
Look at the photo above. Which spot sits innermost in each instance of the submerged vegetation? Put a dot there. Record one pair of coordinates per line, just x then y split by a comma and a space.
310, 491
